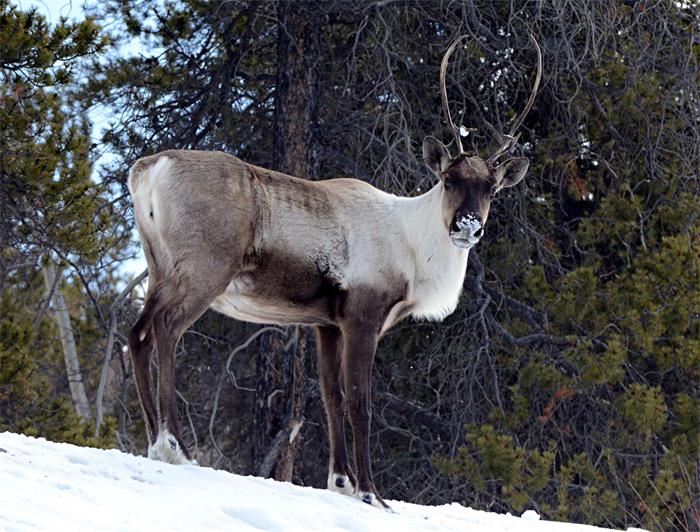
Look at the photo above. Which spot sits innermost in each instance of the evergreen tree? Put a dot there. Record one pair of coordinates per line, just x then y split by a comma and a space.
50, 210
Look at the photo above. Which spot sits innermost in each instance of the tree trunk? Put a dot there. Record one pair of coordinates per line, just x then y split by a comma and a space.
268, 409
52, 280
294, 371
296, 96
295, 130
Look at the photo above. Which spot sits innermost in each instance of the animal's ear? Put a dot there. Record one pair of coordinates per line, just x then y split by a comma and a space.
511, 172
435, 155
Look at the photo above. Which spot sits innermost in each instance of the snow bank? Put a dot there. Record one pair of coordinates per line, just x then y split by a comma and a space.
56, 486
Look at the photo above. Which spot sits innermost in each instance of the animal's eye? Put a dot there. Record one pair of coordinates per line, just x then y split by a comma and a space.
492, 192
449, 182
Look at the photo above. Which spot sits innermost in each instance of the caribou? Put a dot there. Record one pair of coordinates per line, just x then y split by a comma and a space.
340, 255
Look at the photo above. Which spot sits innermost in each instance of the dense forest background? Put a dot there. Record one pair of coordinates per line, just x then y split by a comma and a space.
568, 379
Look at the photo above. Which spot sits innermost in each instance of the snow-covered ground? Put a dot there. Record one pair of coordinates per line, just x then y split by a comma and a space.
56, 486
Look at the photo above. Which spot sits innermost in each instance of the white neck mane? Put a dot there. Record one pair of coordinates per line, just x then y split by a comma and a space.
440, 266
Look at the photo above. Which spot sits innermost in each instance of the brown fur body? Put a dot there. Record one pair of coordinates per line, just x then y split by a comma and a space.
265, 247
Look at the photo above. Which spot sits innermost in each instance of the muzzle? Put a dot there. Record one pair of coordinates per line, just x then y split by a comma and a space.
466, 230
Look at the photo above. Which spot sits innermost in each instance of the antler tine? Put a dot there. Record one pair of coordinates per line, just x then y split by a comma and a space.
511, 137
443, 93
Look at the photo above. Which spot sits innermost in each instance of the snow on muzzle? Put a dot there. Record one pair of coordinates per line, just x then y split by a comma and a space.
466, 230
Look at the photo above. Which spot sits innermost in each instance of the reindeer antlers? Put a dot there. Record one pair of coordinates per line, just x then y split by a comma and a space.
511, 139
443, 94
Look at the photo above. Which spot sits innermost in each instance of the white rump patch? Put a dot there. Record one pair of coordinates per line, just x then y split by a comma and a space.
160, 165
150, 172
143, 188
166, 449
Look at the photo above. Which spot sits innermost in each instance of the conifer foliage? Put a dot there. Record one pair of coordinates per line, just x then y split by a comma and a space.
49, 211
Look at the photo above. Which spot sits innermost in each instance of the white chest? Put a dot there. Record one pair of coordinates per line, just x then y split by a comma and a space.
437, 288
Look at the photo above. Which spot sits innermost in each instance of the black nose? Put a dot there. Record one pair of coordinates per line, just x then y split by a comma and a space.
479, 233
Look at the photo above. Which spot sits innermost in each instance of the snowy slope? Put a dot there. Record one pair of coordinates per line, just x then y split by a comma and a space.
56, 486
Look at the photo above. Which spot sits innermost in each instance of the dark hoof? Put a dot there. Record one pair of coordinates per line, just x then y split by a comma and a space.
367, 499
173, 444
340, 482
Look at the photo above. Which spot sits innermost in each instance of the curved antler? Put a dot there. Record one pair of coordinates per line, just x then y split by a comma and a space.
511, 137
443, 94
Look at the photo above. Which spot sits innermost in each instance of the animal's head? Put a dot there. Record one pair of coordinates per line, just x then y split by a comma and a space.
470, 183
469, 186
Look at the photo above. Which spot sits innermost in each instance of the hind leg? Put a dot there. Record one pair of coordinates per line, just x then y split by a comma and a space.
141, 343
168, 446
140, 340
185, 301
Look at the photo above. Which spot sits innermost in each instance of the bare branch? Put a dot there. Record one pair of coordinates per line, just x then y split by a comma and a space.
110, 346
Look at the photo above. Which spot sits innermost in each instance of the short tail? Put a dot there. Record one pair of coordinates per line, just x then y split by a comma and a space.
141, 168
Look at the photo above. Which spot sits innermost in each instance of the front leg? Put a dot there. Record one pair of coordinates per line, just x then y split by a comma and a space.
329, 350
359, 346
